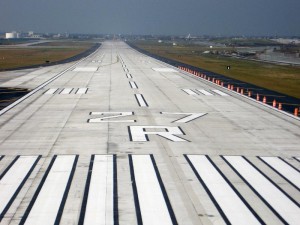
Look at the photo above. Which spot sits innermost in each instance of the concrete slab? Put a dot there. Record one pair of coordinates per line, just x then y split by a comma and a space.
166, 118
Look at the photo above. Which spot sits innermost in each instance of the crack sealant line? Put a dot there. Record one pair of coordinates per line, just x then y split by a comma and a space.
9, 107
224, 88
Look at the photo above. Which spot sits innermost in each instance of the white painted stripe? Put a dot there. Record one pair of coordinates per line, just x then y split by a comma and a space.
81, 91
204, 92
189, 116
288, 210
133, 84
66, 91
189, 91
284, 169
45, 208
152, 203
140, 99
220, 93
99, 209
230, 203
51, 91
128, 75
13, 178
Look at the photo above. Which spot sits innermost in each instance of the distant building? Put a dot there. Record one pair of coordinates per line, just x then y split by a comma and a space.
11, 35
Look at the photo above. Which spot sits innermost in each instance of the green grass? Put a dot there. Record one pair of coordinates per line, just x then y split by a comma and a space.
11, 58
283, 79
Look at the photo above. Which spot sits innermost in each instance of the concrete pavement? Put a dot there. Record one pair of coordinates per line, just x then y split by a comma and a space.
121, 138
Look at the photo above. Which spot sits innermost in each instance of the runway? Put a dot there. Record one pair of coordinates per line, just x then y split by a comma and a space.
121, 138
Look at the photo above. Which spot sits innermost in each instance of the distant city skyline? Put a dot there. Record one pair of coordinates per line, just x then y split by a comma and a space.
153, 17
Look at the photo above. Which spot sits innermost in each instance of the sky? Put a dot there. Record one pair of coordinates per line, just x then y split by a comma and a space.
153, 17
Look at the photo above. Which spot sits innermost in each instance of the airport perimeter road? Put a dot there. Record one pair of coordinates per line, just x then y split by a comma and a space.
121, 138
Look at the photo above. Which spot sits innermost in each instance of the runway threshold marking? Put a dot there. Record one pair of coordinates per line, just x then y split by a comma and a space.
141, 100
53, 191
150, 197
229, 202
285, 208
128, 75
133, 85
13, 179
98, 206
204, 92
283, 169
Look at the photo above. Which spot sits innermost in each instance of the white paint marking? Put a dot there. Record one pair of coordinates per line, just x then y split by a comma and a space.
81, 91
230, 203
141, 100
204, 92
128, 75
51, 91
186, 119
133, 85
152, 203
288, 210
165, 70
85, 69
13, 178
105, 119
189, 92
99, 209
140, 133
66, 91
284, 169
45, 208
220, 93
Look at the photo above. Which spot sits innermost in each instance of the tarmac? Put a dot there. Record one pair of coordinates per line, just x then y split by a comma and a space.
119, 137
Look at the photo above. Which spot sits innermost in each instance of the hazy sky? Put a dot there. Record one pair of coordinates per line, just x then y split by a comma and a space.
175, 17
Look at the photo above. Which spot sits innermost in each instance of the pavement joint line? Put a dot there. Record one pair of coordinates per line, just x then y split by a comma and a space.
9, 107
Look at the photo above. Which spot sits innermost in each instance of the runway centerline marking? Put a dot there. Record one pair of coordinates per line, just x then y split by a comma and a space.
141, 100
133, 85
